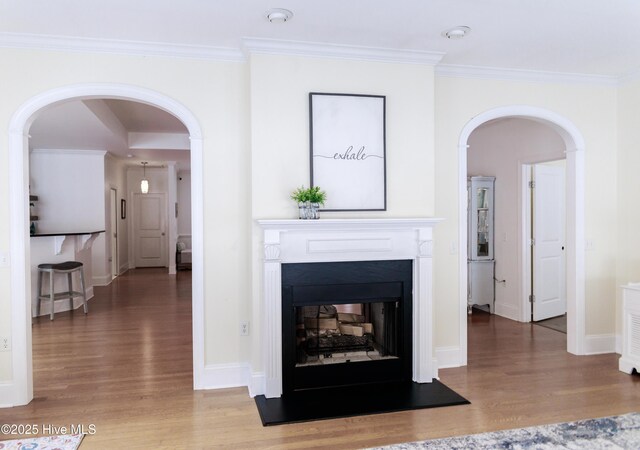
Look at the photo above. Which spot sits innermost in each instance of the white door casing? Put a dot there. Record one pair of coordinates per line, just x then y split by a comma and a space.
150, 229
548, 250
113, 239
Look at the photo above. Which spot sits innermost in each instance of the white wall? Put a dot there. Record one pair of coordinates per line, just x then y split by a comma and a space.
213, 91
69, 185
628, 238
499, 149
254, 120
279, 88
458, 100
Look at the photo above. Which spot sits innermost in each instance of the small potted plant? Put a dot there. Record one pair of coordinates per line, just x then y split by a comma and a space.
309, 201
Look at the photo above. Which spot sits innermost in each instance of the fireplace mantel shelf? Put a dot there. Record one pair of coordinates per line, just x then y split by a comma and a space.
298, 224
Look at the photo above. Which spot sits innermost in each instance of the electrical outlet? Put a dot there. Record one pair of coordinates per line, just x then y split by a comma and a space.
589, 247
244, 328
5, 344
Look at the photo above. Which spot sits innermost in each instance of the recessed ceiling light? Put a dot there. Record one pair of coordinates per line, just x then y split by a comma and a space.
456, 32
279, 15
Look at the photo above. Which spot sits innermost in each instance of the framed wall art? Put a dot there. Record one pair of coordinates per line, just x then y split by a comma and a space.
347, 134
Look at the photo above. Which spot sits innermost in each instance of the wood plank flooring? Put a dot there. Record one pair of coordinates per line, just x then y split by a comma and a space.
127, 369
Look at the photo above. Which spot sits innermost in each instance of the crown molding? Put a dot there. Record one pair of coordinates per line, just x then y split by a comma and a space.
68, 151
535, 76
304, 49
630, 77
336, 51
80, 44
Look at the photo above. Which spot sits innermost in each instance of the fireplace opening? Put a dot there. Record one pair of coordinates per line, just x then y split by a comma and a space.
356, 332
346, 323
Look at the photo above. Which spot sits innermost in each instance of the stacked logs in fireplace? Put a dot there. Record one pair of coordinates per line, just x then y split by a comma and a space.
325, 331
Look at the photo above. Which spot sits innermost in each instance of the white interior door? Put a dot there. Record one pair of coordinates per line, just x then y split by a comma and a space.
549, 267
149, 230
114, 233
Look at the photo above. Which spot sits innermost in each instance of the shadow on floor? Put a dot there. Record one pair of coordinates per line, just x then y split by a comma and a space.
555, 323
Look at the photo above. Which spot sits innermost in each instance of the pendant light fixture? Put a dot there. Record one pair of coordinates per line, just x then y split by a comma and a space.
144, 184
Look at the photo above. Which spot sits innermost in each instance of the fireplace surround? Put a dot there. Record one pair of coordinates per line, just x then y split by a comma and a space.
296, 242
346, 323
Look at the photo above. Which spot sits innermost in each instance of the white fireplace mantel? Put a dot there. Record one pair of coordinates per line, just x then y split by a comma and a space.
328, 240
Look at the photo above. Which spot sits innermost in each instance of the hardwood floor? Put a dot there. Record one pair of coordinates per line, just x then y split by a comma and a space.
126, 369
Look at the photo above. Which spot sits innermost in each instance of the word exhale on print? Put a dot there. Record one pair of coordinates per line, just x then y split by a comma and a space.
347, 134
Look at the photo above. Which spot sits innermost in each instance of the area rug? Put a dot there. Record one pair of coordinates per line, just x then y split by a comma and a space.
62, 442
617, 432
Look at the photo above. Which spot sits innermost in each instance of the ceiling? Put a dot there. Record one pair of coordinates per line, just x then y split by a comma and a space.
569, 36
129, 130
588, 37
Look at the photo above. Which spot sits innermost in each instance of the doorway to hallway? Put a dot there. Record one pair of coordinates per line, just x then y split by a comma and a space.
571, 142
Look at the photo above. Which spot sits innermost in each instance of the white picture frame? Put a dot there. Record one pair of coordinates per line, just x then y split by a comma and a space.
348, 150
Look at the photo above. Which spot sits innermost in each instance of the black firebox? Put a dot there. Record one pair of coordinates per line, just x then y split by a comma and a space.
346, 323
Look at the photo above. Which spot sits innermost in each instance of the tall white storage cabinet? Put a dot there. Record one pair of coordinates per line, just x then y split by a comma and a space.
630, 358
480, 263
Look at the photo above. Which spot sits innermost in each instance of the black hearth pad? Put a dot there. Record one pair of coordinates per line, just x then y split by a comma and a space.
332, 403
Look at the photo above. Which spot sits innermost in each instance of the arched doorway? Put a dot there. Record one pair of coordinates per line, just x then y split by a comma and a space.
21, 389
574, 143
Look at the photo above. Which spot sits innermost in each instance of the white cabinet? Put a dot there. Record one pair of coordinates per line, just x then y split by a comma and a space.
481, 284
481, 265
481, 212
630, 358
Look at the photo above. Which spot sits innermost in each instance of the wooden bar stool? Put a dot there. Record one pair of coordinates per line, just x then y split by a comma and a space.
67, 267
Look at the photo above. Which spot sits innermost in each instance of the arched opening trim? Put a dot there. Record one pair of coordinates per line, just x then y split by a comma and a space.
20, 390
575, 147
